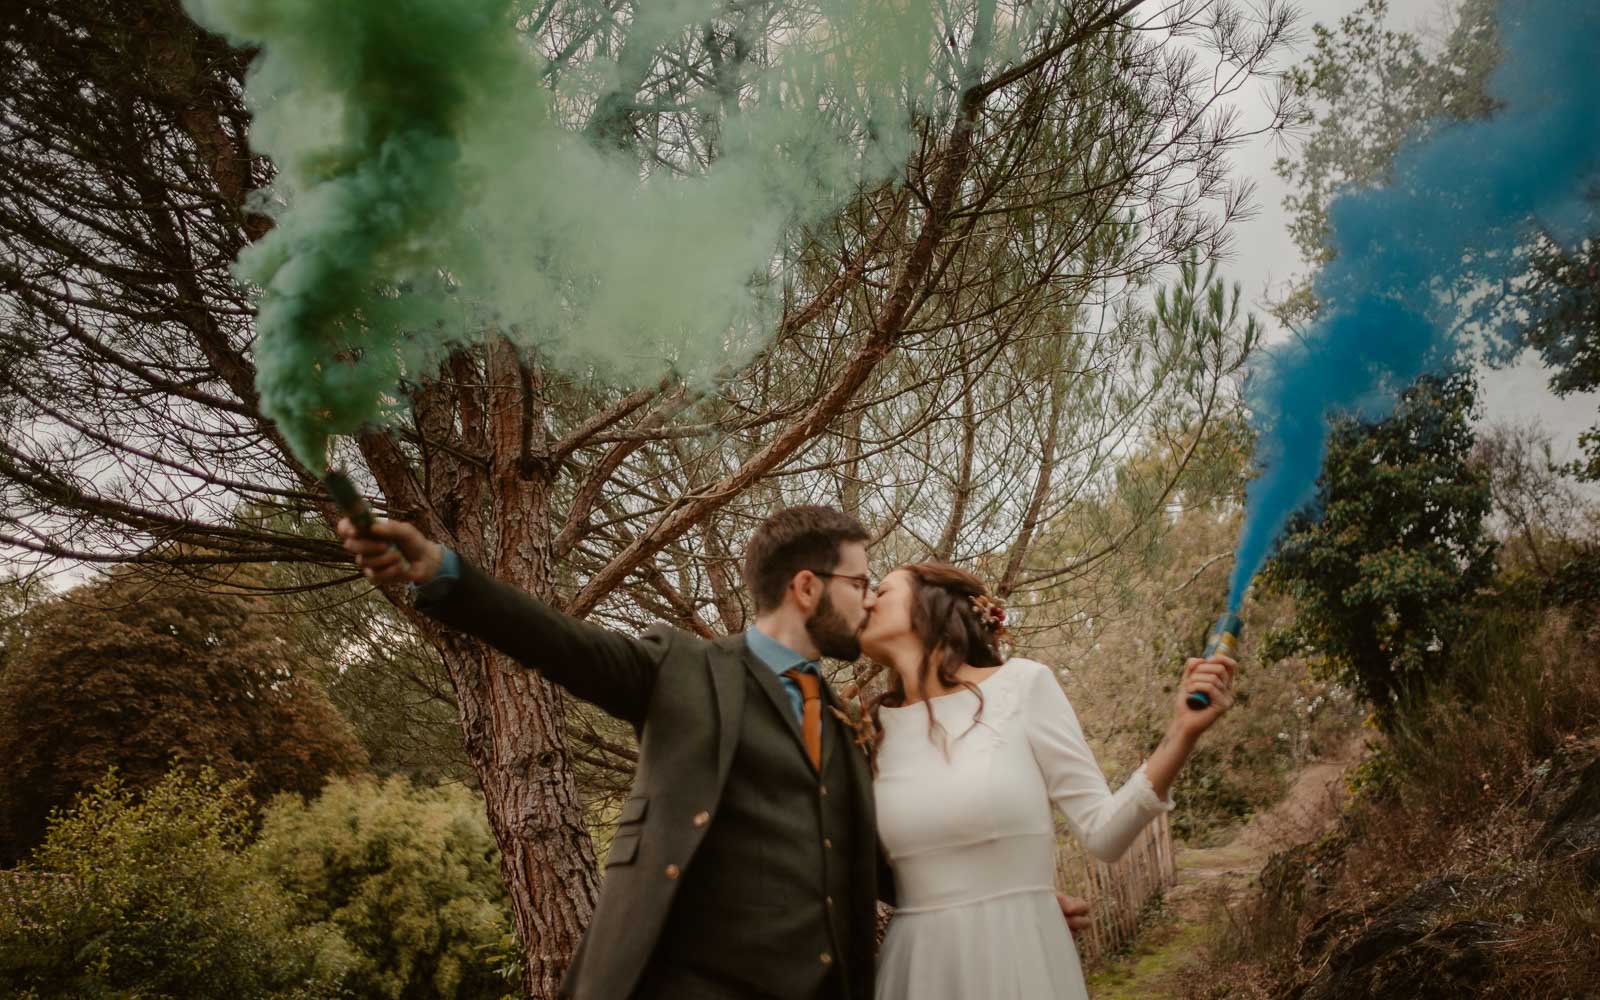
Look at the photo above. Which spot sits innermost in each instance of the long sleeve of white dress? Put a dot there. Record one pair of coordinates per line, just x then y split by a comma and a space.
964, 807
1105, 822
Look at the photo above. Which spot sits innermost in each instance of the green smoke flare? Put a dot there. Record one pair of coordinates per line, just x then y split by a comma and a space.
433, 185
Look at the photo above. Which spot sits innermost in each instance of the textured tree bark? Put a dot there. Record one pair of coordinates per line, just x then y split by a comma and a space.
515, 737
547, 857
514, 723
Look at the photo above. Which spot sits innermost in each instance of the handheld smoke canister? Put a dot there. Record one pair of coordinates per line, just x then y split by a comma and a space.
350, 503
1225, 640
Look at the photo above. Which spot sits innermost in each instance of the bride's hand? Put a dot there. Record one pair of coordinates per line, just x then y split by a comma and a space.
1075, 910
1213, 676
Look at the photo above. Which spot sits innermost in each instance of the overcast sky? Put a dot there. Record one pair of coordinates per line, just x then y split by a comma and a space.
1265, 259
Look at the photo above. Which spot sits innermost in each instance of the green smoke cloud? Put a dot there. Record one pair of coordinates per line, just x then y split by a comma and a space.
432, 184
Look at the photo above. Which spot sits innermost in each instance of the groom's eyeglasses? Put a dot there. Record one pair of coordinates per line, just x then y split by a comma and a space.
862, 583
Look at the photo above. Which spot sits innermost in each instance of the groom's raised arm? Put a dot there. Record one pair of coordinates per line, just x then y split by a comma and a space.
611, 670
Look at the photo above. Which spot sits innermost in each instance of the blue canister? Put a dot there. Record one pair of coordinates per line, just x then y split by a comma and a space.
1224, 639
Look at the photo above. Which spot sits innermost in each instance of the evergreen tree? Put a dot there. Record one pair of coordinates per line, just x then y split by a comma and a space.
1384, 569
142, 675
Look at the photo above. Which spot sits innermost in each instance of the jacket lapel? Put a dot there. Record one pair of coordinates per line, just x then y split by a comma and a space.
768, 682
860, 775
728, 660
725, 660
776, 693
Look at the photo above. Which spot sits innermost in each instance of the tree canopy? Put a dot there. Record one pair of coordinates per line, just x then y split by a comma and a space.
1386, 567
138, 676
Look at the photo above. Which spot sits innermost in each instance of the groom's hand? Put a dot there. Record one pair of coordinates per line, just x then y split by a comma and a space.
392, 552
1075, 910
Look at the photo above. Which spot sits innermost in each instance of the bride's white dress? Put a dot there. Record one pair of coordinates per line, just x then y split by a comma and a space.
969, 834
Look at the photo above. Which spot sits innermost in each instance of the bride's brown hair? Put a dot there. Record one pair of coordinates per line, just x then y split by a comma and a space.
958, 622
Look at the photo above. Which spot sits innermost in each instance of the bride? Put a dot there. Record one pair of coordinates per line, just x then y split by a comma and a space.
972, 751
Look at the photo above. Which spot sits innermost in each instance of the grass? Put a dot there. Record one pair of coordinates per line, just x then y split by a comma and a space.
1154, 957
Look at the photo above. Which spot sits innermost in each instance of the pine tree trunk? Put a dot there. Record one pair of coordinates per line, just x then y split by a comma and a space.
513, 720
515, 739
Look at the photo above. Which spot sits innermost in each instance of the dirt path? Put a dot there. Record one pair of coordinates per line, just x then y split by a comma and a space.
1210, 877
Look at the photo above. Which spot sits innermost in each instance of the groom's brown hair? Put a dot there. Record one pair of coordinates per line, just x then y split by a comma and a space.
791, 540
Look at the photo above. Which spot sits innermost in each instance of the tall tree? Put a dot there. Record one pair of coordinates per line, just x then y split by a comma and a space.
1009, 255
120, 674
1384, 570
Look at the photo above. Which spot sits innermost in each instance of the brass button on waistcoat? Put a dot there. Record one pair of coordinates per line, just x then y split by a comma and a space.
827, 843
673, 871
822, 790
701, 818
827, 959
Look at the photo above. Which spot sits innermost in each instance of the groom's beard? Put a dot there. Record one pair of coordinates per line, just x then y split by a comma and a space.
833, 636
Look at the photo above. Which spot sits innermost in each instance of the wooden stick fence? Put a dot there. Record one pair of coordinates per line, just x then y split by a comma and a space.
1117, 892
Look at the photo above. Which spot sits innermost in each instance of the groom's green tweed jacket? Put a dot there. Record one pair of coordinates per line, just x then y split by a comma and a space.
692, 705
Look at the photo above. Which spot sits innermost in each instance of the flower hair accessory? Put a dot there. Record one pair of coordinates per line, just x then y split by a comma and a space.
992, 614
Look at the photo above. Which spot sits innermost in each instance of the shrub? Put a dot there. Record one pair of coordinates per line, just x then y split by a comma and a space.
1457, 793
1386, 568
141, 676
409, 876
150, 897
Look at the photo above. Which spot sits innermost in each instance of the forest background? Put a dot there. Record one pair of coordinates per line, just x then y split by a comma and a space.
1023, 356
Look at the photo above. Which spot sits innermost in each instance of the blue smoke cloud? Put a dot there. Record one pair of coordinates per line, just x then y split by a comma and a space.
1459, 208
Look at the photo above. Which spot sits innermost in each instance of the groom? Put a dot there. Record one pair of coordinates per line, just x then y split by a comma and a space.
745, 861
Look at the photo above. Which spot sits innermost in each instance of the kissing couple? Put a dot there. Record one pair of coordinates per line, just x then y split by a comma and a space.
747, 859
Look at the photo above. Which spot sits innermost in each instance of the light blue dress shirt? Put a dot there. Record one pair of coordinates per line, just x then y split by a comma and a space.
777, 657
439, 584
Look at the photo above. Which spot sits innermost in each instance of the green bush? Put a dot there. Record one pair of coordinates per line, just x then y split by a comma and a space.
151, 897
144, 674
408, 876
1386, 568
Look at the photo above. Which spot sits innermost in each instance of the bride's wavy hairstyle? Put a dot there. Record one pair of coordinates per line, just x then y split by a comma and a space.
946, 618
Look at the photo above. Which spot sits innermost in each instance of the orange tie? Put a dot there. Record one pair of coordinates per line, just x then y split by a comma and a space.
811, 718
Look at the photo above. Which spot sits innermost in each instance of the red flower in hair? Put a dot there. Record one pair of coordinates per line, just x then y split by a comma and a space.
990, 612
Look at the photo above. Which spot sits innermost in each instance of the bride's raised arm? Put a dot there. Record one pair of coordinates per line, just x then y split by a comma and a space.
1106, 822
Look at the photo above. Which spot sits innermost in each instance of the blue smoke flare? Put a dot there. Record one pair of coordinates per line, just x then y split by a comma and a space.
1459, 208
